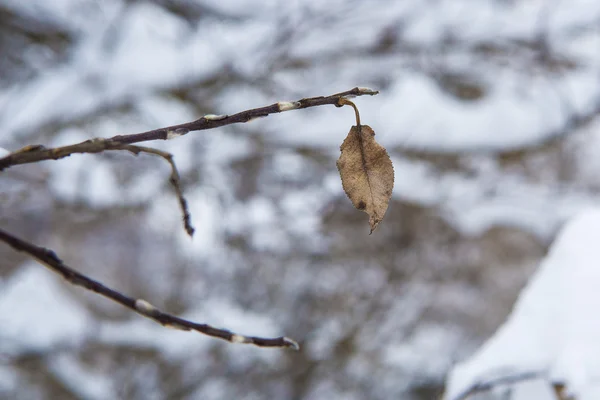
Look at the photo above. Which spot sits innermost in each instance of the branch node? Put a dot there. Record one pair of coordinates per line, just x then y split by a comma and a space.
175, 133
288, 105
213, 117
235, 338
176, 326
144, 307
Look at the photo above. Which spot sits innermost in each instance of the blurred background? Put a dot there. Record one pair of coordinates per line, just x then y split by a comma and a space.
490, 110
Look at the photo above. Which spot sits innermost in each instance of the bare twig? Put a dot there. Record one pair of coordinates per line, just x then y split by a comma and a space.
99, 145
493, 383
31, 154
174, 179
50, 259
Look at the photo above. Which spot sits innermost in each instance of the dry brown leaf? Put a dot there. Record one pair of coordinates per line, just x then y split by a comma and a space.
367, 173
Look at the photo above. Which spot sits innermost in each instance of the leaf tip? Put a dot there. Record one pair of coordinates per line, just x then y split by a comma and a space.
373, 223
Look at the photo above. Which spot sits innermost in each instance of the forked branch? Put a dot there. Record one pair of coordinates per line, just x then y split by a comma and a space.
49, 259
31, 154
175, 180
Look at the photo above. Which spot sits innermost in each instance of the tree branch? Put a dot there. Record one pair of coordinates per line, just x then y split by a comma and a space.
49, 259
35, 153
493, 383
175, 180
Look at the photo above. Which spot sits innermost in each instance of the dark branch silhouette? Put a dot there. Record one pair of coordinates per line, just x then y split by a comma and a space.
54, 263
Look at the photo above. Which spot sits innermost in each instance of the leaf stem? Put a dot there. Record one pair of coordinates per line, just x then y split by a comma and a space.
343, 101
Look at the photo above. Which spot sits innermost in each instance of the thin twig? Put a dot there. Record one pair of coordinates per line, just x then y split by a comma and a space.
175, 180
50, 259
493, 383
99, 145
35, 153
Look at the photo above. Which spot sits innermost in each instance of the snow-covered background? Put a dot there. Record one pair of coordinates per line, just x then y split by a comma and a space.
490, 110
551, 337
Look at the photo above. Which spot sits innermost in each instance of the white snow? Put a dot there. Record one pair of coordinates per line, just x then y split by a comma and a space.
155, 50
129, 55
554, 328
417, 353
36, 313
88, 384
